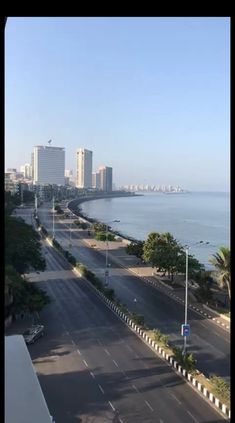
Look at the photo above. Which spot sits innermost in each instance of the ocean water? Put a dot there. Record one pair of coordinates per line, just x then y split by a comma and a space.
191, 217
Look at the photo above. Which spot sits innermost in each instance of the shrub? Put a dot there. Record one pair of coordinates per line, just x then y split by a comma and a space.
158, 336
221, 387
109, 293
83, 225
138, 319
187, 361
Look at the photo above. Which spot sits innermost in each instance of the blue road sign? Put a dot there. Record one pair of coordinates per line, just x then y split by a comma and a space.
185, 330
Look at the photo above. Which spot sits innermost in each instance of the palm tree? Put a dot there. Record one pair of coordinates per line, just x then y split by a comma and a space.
221, 261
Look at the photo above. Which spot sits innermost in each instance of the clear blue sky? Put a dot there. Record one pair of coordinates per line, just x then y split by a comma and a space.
149, 96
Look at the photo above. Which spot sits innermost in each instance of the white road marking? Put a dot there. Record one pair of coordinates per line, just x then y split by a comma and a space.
136, 389
137, 356
111, 405
115, 363
146, 402
179, 402
107, 352
129, 348
84, 361
192, 417
120, 420
101, 389
161, 421
73, 342
92, 375
99, 342
79, 352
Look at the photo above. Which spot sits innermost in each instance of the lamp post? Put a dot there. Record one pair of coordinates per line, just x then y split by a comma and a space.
53, 217
107, 247
185, 329
70, 232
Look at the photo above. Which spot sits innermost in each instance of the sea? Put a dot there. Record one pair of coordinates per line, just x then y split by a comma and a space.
191, 217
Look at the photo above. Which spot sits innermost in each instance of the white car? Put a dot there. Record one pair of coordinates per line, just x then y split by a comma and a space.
33, 333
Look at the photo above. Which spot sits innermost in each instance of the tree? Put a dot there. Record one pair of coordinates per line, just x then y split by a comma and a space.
221, 261
22, 246
26, 297
205, 281
136, 248
99, 227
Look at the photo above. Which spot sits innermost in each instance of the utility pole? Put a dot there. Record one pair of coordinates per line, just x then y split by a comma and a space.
53, 221
186, 300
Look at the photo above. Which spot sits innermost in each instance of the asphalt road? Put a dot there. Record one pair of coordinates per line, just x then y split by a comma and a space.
92, 368
209, 342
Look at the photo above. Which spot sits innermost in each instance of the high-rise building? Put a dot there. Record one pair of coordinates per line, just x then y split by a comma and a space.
26, 169
84, 168
106, 178
96, 180
48, 165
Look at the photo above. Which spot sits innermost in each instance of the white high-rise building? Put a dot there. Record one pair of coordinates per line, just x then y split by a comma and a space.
84, 168
48, 165
26, 169
106, 178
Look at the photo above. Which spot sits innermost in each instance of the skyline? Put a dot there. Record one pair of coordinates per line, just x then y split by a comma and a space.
142, 93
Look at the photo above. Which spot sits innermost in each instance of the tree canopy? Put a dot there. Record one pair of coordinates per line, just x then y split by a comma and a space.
22, 246
221, 261
165, 253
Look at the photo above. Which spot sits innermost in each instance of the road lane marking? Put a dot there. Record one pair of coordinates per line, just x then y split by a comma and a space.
73, 342
161, 421
84, 361
107, 352
99, 342
92, 375
147, 403
101, 389
179, 402
136, 389
192, 416
129, 348
79, 352
120, 420
115, 363
111, 405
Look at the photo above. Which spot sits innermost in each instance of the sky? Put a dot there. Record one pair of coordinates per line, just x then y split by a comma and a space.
149, 96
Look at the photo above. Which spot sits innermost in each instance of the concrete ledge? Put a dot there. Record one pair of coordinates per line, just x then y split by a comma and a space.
216, 312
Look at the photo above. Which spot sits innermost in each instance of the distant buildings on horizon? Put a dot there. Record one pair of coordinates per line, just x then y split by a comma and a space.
48, 168
152, 188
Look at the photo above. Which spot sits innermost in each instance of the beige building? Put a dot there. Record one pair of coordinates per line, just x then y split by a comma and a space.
84, 168
106, 178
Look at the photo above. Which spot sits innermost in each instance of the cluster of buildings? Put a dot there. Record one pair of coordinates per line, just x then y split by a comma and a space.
152, 188
47, 169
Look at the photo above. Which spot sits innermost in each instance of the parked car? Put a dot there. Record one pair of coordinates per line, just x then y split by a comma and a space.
33, 333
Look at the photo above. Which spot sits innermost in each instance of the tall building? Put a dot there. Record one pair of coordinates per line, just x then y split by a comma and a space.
84, 168
96, 180
106, 178
48, 165
26, 169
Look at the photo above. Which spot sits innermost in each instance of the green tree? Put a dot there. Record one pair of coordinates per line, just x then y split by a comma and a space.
221, 261
136, 249
22, 246
99, 227
27, 298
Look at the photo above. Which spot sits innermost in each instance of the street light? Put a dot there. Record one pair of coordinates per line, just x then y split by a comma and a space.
107, 246
185, 328
53, 217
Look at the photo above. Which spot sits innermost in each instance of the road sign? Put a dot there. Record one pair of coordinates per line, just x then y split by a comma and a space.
185, 330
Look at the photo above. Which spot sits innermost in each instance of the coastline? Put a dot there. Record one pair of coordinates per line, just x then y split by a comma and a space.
72, 205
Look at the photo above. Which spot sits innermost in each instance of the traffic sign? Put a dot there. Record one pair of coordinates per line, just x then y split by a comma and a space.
185, 330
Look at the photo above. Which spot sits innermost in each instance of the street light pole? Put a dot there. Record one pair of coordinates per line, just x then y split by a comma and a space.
106, 255
186, 299
53, 220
